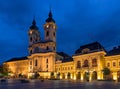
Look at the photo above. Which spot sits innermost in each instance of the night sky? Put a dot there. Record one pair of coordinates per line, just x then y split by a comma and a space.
79, 22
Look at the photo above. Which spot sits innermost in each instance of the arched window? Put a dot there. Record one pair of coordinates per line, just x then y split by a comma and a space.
94, 62
30, 62
36, 50
36, 62
30, 51
47, 33
46, 60
54, 34
53, 48
78, 64
86, 63
47, 48
30, 39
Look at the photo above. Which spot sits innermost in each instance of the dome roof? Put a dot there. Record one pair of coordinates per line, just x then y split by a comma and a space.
33, 26
50, 19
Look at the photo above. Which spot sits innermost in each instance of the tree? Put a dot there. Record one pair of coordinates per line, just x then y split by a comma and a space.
6, 69
106, 73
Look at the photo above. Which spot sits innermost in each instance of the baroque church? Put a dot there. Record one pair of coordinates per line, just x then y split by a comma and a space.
87, 63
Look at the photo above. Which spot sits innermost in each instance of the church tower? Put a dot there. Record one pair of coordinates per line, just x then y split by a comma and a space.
50, 28
34, 34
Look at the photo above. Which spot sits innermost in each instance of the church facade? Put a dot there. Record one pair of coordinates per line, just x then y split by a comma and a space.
88, 62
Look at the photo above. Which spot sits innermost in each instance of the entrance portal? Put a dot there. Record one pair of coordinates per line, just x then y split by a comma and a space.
78, 75
86, 76
118, 75
94, 75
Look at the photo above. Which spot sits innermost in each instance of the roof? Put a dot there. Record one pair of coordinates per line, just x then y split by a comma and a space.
50, 19
114, 51
90, 48
66, 57
33, 26
17, 59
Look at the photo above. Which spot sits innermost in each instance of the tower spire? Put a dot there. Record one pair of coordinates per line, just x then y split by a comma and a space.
34, 22
50, 13
33, 26
50, 19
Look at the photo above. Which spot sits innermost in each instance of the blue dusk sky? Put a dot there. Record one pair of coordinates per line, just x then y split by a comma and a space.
79, 22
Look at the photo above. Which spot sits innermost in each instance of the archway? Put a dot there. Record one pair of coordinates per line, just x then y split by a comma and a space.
86, 76
68, 75
94, 75
58, 75
118, 75
78, 75
63, 75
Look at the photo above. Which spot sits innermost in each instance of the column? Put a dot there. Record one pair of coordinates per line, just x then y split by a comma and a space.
82, 78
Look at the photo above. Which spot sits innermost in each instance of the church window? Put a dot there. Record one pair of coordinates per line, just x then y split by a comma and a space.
30, 51
54, 34
47, 33
108, 64
94, 62
46, 66
54, 48
86, 63
36, 62
46, 60
78, 64
47, 48
30, 62
47, 26
114, 64
30, 39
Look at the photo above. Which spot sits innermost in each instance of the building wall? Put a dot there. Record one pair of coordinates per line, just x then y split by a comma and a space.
17, 67
113, 63
43, 46
67, 70
45, 63
64, 70
77, 68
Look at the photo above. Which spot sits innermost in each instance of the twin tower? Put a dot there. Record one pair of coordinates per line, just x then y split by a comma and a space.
36, 44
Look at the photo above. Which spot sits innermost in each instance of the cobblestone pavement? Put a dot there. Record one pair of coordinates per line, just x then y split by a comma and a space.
58, 84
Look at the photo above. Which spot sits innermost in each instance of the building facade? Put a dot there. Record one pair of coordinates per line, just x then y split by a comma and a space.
87, 63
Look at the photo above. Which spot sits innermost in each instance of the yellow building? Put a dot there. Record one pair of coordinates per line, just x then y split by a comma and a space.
17, 66
87, 63
112, 61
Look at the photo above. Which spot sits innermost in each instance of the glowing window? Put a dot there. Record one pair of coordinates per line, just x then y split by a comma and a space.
108, 64
36, 63
78, 64
114, 64
86, 63
46, 60
47, 26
